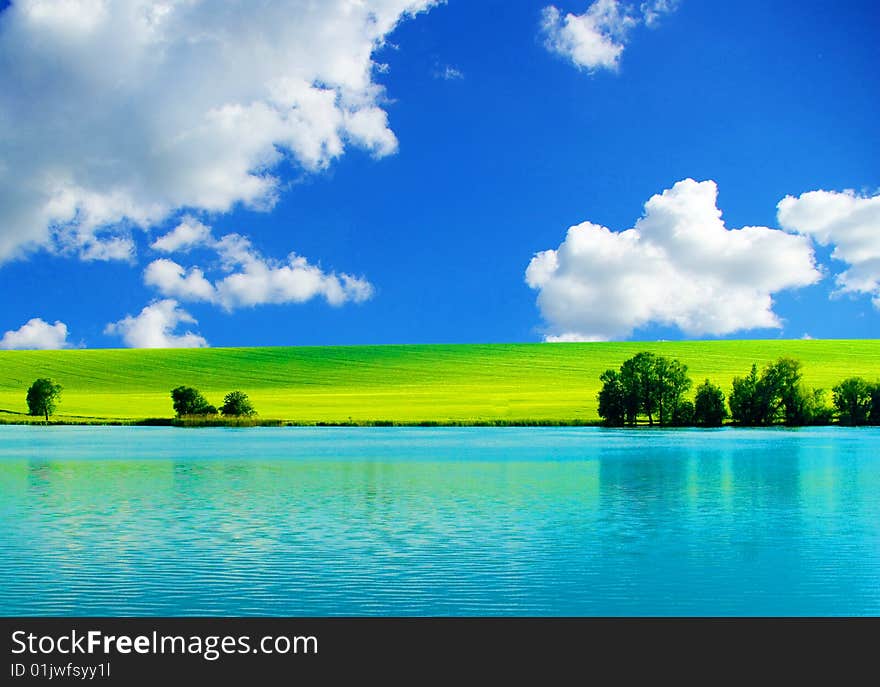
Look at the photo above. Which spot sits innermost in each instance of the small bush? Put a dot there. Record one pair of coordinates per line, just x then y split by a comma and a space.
237, 404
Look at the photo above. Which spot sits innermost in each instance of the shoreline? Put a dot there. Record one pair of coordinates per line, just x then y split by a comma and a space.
269, 422
243, 423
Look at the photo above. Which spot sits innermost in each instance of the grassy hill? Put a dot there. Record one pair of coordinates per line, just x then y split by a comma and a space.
442, 383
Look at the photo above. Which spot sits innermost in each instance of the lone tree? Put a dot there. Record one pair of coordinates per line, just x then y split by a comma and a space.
189, 401
709, 408
852, 398
237, 404
42, 397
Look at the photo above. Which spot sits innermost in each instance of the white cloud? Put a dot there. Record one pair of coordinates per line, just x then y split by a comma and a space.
295, 281
596, 39
448, 73
260, 281
36, 333
185, 236
117, 114
174, 280
652, 12
679, 266
154, 327
847, 221
112, 248
254, 280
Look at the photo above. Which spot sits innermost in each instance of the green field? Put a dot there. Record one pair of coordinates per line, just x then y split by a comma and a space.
405, 384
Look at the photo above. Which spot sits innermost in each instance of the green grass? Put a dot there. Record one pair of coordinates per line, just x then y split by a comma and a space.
493, 384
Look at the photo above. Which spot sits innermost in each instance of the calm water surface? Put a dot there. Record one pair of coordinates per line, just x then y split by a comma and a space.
388, 521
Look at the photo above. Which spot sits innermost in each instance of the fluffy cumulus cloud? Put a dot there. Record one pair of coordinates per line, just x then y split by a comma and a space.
249, 279
38, 334
255, 280
155, 327
848, 221
172, 279
187, 235
117, 114
678, 266
596, 39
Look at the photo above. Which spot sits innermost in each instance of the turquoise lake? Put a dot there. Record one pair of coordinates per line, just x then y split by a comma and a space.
141, 521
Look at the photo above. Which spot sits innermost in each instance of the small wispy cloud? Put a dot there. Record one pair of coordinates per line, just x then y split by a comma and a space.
189, 234
652, 12
251, 279
596, 39
448, 73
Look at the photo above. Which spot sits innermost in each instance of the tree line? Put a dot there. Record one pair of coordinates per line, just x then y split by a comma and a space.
654, 388
44, 395
646, 387
188, 401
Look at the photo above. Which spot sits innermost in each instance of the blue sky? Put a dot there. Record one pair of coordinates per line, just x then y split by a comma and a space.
503, 142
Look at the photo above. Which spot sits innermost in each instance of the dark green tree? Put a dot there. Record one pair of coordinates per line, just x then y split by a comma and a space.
672, 384
42, 397
639, 378
776, 395
237, 404
805, 406
823, 414
709, 408
744, 403
852, 400
874, 413
612, 399
646, 384
684, 414
189, 401
788, 397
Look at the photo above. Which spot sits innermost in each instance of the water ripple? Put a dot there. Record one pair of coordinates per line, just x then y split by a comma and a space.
161, 521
